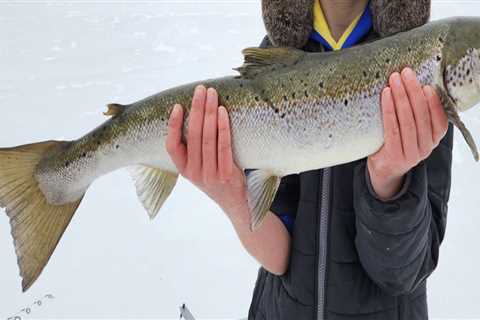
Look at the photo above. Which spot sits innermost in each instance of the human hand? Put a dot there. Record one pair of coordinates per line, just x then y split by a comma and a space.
414, 124
206, 159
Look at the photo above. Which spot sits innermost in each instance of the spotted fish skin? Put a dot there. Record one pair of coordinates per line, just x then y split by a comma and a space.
290, 111
288, 115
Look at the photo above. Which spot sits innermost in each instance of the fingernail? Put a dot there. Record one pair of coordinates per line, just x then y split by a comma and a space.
386, 92
396, 80
211, 92
408, 73
199, 88
223, 110
176, 110
428, 91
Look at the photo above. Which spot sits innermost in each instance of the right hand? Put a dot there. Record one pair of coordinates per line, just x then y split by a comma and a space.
206, 159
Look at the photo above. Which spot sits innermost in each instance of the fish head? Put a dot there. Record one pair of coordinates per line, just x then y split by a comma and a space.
462, 62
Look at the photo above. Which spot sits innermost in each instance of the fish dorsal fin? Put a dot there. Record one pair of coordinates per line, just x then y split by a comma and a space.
258, 60
114, 109
153, 187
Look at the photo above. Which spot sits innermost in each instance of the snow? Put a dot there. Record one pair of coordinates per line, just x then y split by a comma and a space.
62, 62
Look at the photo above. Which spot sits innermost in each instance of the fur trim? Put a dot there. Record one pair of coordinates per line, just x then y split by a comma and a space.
390, 17
289, 22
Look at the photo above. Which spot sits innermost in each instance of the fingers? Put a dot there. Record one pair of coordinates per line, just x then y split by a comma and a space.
225, 158
393, 140
421, 112
405, 117
174, 145
209, 140
194, 134
207, 156
439, 120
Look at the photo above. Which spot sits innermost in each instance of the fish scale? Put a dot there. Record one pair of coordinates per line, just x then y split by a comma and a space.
290, 111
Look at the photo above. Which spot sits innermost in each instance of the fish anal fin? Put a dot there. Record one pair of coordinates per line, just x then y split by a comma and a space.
153, 187
262, 187
259, 60
454, 118
114, 109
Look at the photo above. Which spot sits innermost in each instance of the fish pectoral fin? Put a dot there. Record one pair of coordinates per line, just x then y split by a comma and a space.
153, 187
262, 186
454, 118
258, 60
114, 109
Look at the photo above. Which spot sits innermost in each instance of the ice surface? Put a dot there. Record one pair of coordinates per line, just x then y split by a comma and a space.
62, 62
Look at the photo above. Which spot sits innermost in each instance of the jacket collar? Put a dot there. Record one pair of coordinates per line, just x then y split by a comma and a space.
289, 23
356, 31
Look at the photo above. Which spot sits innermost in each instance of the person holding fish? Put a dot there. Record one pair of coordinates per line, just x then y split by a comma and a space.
355, 241
331, 159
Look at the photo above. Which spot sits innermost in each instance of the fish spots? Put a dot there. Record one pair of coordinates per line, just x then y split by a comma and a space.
321, 84
438, 58
377, 75
387, 61
285, 98
293, 95
306, 94
84, 155
441, 40
67, 164
257, 98
117, 146
345, 102
365, 74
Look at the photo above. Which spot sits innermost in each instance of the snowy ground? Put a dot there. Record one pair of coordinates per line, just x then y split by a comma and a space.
61, 63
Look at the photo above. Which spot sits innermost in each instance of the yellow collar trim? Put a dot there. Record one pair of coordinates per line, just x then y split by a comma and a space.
321, 26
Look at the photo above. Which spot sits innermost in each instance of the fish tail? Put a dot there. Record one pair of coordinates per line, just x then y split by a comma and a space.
36, 225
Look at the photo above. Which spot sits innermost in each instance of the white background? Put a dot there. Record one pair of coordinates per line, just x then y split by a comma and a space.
61, 63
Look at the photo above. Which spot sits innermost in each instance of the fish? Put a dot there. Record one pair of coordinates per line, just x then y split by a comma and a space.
290, 111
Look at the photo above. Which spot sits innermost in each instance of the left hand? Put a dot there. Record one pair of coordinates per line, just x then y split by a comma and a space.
414, 124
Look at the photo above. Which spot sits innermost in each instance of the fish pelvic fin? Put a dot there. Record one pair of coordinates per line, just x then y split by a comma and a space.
36, 225
262, 187
153, 187
260, 60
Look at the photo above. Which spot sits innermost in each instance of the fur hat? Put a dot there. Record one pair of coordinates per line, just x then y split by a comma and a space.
290, 22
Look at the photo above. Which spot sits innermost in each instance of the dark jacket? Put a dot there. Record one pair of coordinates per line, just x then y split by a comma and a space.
352, 255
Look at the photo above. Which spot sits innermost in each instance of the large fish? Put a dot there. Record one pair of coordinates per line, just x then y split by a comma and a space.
290, 111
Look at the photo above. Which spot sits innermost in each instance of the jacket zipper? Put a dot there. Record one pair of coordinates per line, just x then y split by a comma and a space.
323, 243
